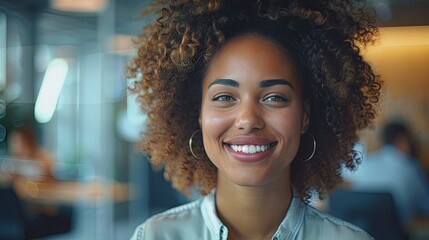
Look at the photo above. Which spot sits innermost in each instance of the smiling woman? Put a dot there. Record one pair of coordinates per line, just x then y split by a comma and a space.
253, 80
257, 108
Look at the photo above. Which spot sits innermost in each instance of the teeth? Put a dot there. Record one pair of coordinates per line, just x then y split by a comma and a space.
250, 148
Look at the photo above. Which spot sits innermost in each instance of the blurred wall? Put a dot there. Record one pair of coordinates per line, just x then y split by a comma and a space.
401, 57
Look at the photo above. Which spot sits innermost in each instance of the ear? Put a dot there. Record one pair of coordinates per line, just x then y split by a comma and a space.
199, 120
305, 118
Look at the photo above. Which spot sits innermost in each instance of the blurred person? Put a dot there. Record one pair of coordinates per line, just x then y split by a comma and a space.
248, 102
22, 144
393, 169
41, 219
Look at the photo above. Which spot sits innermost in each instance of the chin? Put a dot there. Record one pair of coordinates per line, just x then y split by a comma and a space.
251, 181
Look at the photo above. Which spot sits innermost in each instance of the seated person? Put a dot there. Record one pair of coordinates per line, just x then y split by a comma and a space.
392, 169
22, 144
41, 219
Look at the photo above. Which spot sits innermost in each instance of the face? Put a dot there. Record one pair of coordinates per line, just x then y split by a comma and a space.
252, 113
19, 146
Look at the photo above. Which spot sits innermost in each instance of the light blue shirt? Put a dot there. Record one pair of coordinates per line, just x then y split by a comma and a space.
198, 220
389, 170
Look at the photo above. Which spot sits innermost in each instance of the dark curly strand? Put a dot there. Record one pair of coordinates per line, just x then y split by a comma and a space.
324, 39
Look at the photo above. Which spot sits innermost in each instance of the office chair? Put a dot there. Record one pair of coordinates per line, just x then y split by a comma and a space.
15, 224
12, 221
374, 212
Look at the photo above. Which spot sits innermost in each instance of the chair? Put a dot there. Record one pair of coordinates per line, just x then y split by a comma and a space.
374, 212
16, 224
12, 221
42, 225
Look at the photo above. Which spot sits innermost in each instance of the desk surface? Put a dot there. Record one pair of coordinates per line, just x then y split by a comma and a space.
419, 228
70, 192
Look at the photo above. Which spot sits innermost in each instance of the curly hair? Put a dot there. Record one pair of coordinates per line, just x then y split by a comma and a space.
324, 38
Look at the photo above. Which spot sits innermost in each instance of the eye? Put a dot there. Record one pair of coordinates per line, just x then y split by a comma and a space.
223, 98
275, 99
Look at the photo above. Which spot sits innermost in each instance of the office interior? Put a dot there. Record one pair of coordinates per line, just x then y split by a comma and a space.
62, 80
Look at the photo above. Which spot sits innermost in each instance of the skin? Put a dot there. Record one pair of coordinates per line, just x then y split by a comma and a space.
252, 95
403, 143
19, 146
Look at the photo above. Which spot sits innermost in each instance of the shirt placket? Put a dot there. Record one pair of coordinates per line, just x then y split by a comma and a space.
223, 233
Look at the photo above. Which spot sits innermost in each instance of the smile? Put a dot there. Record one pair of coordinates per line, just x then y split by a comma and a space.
251, 149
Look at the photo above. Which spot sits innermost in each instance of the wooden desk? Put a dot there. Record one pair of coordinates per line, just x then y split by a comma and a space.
70, 192
418, 229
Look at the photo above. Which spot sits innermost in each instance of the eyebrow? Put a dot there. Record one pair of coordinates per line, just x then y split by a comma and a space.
263, 84
226, 82
272, 82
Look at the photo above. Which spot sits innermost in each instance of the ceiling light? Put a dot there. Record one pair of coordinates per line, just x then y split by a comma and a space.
86, 6
50, 90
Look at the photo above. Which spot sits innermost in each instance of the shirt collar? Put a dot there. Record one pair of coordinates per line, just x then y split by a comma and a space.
211, 220
288, 227
293, 220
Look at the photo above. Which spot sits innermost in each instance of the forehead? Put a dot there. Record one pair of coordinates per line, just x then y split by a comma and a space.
254, 56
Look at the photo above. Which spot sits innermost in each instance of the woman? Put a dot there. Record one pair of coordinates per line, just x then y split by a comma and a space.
257, 104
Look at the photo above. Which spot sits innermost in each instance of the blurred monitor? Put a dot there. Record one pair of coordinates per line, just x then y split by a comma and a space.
18, 166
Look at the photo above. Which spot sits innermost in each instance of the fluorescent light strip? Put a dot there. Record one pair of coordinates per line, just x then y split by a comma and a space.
50, 90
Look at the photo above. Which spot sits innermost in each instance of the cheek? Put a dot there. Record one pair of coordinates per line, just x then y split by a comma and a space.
214, 124
288, 121
288, 126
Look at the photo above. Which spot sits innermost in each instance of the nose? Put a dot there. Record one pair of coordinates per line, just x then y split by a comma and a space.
249, 117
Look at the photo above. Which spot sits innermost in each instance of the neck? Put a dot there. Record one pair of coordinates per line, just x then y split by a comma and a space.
252, 212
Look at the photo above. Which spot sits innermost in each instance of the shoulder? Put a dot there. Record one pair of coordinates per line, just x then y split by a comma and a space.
323, 224
170, 223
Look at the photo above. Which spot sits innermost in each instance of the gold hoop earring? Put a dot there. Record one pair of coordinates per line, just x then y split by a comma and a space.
190, 145
314, 148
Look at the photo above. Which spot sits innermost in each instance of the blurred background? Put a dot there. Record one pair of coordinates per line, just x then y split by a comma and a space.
69, 168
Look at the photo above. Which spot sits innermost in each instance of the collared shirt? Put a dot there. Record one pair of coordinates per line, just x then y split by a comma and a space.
198, 220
